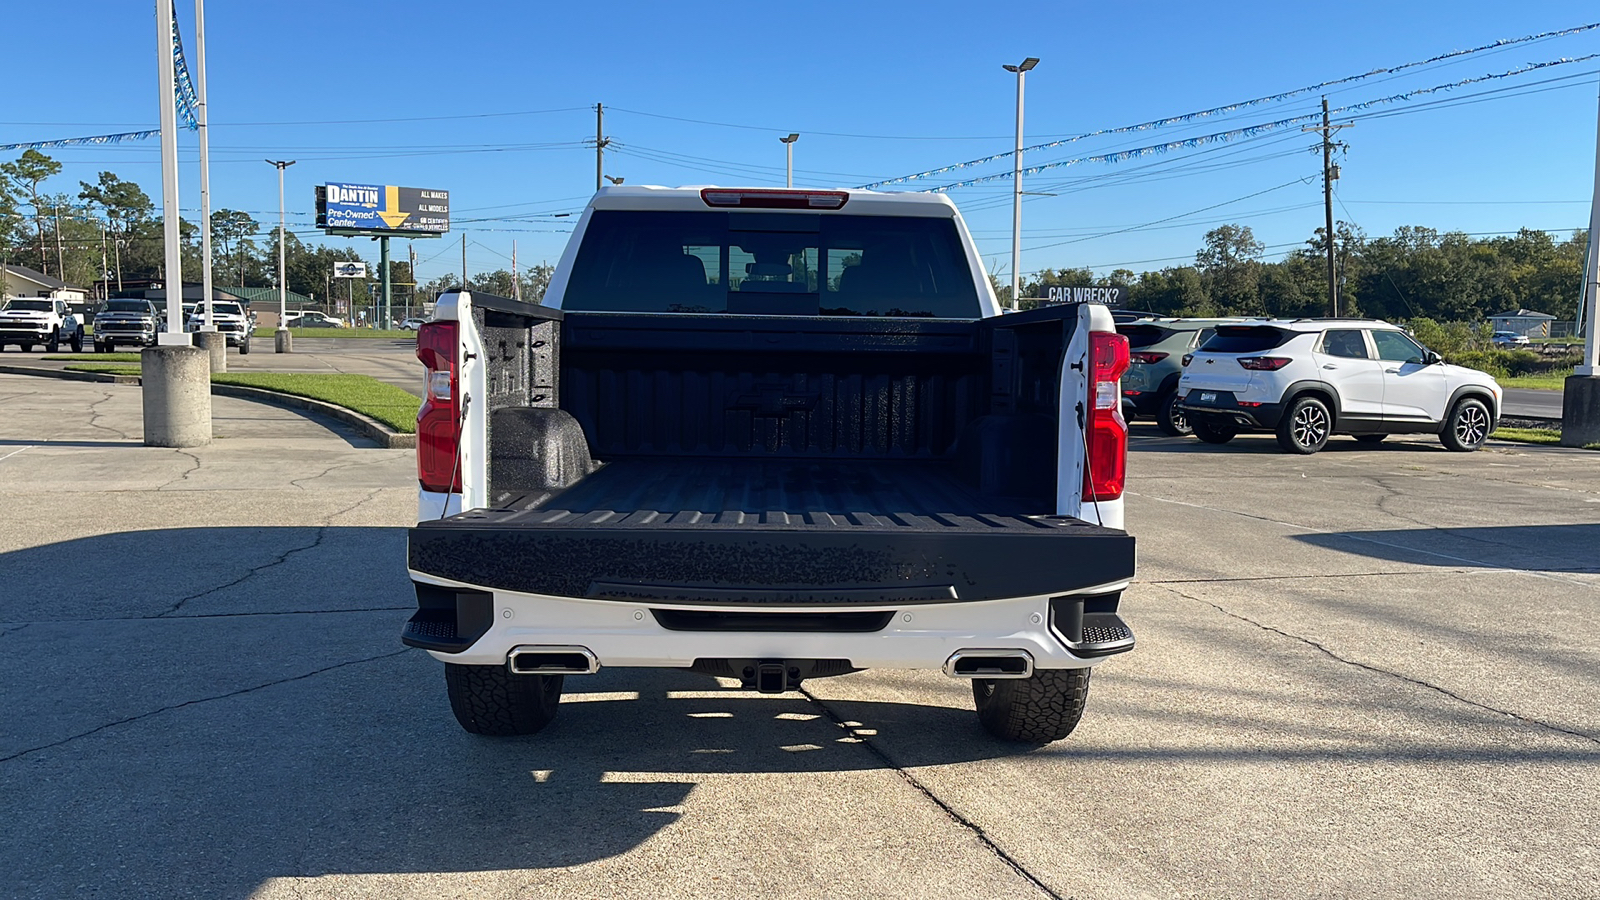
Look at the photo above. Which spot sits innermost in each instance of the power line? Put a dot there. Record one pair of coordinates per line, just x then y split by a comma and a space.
1170, 218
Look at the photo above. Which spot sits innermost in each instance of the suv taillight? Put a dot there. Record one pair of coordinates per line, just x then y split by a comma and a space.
439, 419
1106, 432
1263, 363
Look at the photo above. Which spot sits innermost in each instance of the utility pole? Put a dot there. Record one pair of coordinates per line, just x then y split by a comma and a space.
1021, 71
282, 341
105, 273
411, 249
600, 142
1330, 174
206, 321
463, 260
516, 283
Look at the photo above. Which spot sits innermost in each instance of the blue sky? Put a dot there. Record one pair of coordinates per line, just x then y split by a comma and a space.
876, 89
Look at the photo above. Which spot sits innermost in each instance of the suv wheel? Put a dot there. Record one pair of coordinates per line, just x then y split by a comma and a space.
1467, 426
1041, 708
490, 700
1305, 426
1211, 432
1171, 419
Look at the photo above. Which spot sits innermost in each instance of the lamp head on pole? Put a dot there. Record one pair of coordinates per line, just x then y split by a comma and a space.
790, 139
1026, 65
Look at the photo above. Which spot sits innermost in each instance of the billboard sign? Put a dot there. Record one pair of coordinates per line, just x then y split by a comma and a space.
349, 270
1110, 296
382, 209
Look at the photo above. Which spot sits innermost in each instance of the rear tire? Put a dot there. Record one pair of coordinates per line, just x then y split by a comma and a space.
1305, 426
1172, 420
1039, 709
77, 341
1211, 433
1371, 438
1467, 426
490, 700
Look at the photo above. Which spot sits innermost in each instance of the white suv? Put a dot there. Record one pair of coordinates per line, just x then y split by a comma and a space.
1307, 379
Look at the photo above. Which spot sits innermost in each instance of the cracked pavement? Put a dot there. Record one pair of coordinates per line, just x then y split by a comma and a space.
1365, 673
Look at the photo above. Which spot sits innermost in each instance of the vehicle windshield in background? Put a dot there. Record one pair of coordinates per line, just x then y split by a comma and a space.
30, 305
1246, 339
221, 309
129, 306
771, 264
1142, 335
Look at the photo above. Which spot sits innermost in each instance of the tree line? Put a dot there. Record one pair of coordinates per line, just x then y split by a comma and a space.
108, 234
1416, 272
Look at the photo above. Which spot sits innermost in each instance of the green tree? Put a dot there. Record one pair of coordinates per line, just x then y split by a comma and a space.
25, 174
1231, 264
231, 231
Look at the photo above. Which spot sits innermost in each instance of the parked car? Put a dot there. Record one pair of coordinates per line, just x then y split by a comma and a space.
28, 321
126, 321
1508, 339
1157, 349
414, 323
314, 319
1308, 379
847, 459
227, 317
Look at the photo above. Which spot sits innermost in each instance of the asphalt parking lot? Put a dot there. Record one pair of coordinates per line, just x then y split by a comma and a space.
1365, 673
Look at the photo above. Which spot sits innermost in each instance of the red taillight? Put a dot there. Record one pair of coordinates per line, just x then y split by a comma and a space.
1146, 359
1263, 363
439, 419
1106, 432
774, 199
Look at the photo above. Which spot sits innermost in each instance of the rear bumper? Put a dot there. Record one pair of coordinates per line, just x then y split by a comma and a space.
1227, 411
633, 635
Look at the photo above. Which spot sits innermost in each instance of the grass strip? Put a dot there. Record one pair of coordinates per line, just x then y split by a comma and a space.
366, 395
1536, 382
1550, 436
96, 357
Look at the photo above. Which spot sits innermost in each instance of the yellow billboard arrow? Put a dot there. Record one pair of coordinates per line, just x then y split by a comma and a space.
390, 214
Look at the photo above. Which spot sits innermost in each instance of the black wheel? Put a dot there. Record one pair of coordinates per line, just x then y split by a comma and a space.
1467, 426
490, 700
244, 348
25, 348
77, 341
1371, 438
1171, 419
1305, 426
1211, 432
1041, 708
54, 343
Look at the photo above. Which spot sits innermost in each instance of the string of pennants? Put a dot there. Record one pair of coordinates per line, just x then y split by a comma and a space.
1253, 130
1234, 107
188, 104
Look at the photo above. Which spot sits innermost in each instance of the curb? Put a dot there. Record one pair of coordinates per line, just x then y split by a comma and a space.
372, 428
70, 376
369, 427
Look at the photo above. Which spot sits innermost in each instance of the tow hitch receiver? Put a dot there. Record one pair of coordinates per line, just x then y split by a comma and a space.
772, 677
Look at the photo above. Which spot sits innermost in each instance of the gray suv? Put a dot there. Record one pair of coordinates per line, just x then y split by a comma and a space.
1157, 348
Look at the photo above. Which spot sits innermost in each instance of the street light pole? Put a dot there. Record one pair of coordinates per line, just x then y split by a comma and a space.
172, 276
207, 320
1021, 71
788, 152
282, 343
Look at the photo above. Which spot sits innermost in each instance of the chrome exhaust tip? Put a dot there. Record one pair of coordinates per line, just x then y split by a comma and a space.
989, 664
536, 659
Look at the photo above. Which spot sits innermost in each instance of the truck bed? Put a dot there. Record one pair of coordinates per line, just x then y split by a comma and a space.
800, 532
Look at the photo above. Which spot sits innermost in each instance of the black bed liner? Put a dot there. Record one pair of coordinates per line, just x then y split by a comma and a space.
772, 532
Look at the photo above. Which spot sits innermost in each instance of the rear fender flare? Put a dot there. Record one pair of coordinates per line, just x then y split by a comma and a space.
1322, 390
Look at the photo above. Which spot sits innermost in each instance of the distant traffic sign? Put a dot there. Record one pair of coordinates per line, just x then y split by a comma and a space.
382, 209
349, 270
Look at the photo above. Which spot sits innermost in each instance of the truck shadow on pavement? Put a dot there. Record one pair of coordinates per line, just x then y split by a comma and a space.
1545, 548
200, 710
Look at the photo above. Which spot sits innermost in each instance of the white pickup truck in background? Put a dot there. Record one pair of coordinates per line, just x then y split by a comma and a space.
770, 435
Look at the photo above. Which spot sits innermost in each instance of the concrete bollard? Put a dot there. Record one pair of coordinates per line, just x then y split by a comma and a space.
282, 341
216, 343
177, 396
1580, 411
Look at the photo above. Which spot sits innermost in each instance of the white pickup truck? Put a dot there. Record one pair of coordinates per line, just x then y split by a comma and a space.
770, 435
30, 321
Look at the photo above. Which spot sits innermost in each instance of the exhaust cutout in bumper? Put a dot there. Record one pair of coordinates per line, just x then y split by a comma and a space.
537, 659
989, 664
